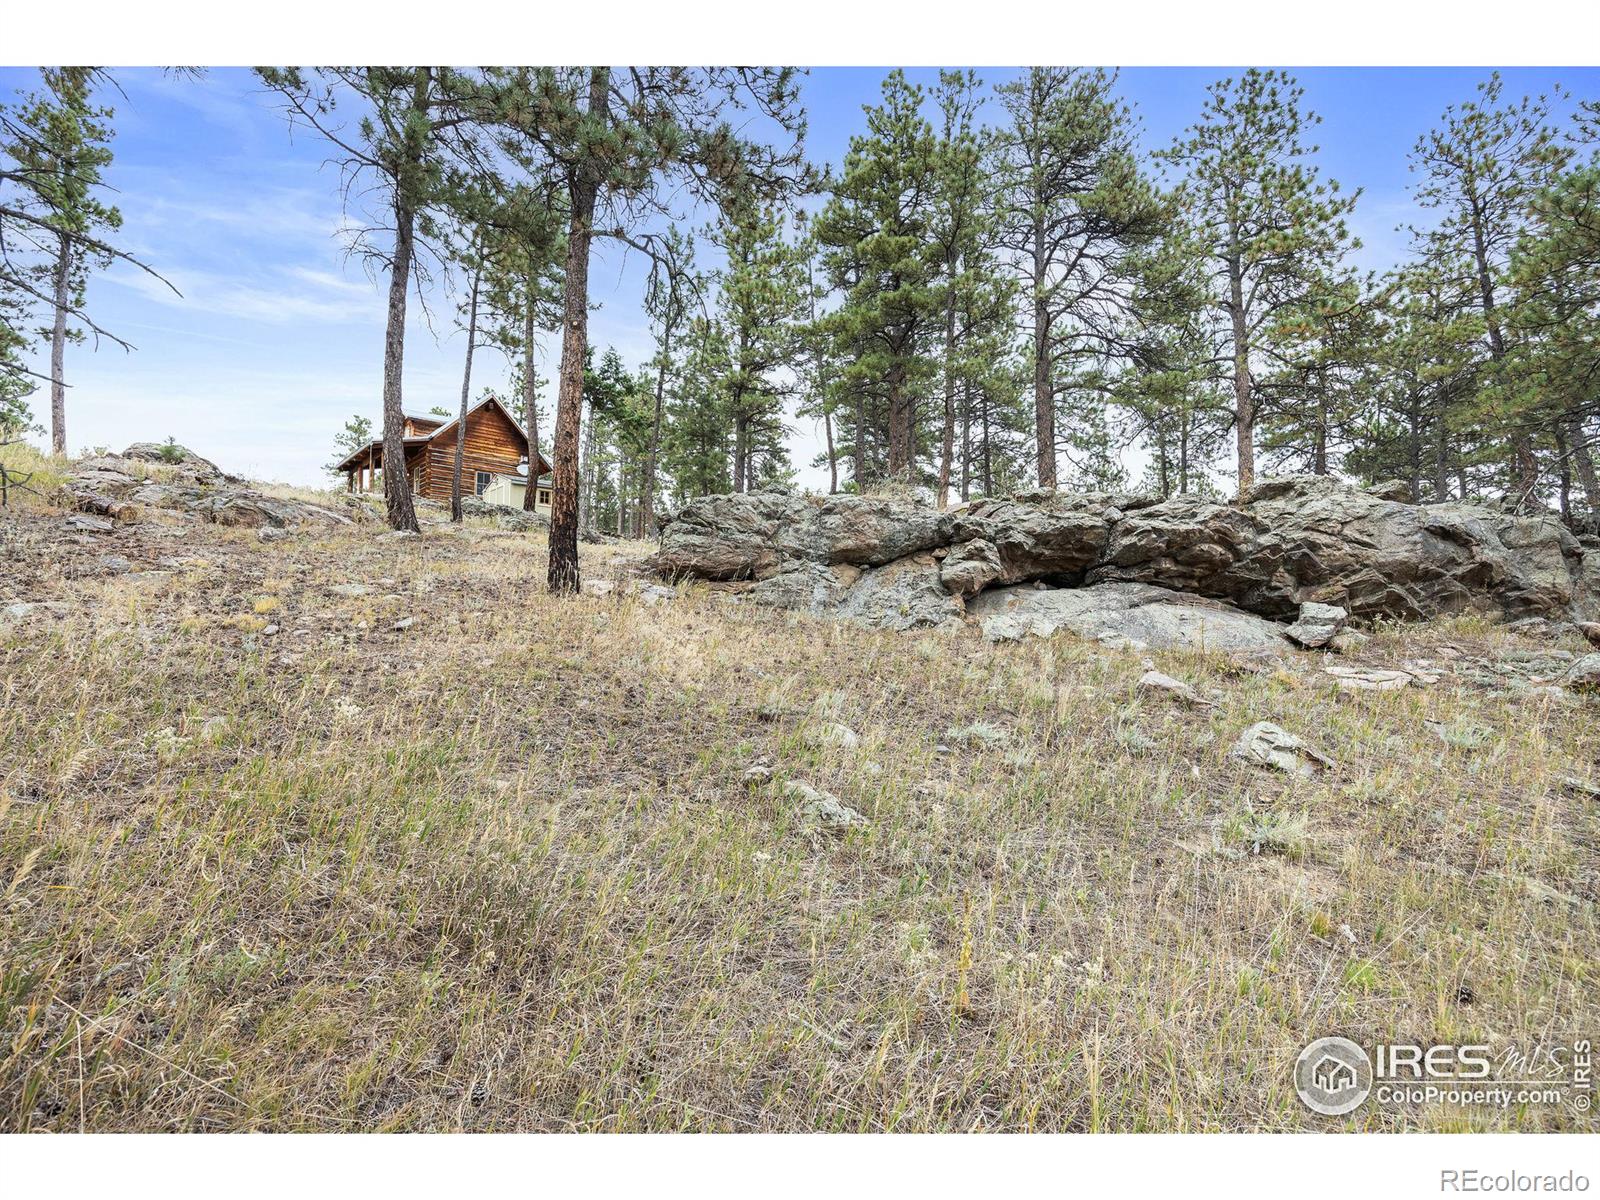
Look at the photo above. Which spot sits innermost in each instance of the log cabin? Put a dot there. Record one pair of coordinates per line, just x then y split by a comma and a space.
496, 450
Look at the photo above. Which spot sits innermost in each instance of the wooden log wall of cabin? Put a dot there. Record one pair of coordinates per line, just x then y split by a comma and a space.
493, 444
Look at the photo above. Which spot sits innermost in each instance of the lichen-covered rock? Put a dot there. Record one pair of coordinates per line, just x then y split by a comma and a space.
184, 462
872, 530
1380, 557
970, 567
1130, 615
1196, 545
905, 594
740, 536
1053, 536
118, 486
1267, 745
1318, 625
1583, 675
503, 515
1304, 540
804, 586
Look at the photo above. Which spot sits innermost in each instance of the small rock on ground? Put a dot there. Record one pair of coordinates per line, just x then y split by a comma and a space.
1318, 624
1583, 675
1267, 745
823, 810
1155, 681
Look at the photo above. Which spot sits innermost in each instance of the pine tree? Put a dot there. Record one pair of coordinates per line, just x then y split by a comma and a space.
1270, 226
1168, 392
962, 225
1555, 318
1425, 342
470, 255
673, 285
1074, 207
1321, 364
621, 144
522, 295
356, 435
696, 441
60, 145
409, 141
880, 255
762, 303
821, 393
16, 384
1480, 172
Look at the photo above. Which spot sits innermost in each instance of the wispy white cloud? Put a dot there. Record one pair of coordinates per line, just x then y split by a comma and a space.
284, 296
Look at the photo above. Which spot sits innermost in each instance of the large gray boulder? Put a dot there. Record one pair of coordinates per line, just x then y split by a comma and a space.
872, 530
185, 464
970, 567
1130, 615
1313, 538
1195, 545
758, 534
1291, 542
740, 536
1381, 557
118, 486
904, 594
1043, 535
503, 515
805, 586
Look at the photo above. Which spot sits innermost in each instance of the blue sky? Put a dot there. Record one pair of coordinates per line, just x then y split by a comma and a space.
278, 337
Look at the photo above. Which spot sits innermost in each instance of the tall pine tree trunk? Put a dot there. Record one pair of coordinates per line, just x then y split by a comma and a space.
1523, 463
588, 468
859, 470
900, 429
1441, 450
947, 451
741, 448
833, 459
530, 407
1186, 419
1583, 461
1044, 401
58, 347
966, 440
1163, 459
1319, 454
1243, 401
466, 392
1414, 453
647, 501
396, 483
988, 457
585, 189
1563, 475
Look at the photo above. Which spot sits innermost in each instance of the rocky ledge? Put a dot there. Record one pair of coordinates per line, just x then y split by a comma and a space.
149, 476
1185, 571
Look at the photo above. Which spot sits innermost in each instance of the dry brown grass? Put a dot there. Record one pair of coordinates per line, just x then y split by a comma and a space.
500, 870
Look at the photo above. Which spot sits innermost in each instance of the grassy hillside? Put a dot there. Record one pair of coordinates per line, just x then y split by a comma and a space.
269, 862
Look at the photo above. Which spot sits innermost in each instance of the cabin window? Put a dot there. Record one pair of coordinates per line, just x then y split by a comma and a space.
544, 497
484, 478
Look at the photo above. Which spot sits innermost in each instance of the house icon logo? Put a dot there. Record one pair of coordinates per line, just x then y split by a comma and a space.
1333, 1076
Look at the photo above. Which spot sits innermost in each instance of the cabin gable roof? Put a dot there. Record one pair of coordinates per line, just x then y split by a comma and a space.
488, 406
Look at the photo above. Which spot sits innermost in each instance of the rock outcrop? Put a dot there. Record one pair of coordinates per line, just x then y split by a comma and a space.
503, 515
1302, 547
170, 477
1130, 616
